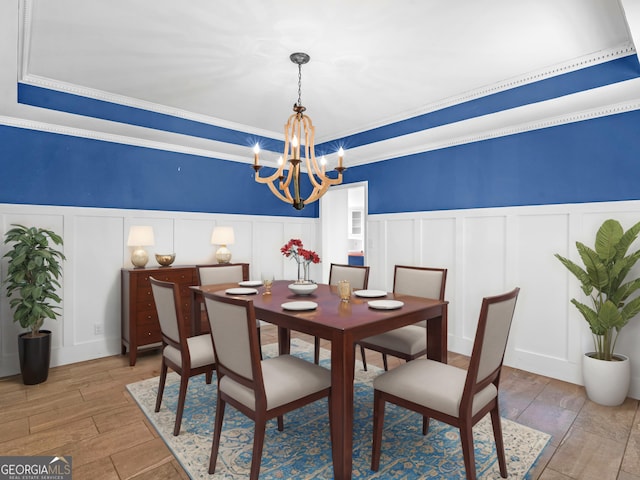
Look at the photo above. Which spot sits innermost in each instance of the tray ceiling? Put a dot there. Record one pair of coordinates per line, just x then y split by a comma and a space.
372, 63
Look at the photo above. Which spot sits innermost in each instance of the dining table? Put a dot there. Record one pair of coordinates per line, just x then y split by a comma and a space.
367, 313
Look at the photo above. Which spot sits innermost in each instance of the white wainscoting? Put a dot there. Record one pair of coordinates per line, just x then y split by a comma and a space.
95, 247
487, 251
490, 251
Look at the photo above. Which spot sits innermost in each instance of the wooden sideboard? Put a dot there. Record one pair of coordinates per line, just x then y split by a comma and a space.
140, 326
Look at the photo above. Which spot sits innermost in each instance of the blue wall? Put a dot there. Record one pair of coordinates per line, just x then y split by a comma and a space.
591, 161
51, 169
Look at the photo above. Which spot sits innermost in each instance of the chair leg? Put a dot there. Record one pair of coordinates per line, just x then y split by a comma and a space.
425, 425
217, 430
258, 441
208, 376
163, 378
364, 358
378, 423
384, 362
316, 350
330, 419
280, 423
497, 435
182, 395
466, 437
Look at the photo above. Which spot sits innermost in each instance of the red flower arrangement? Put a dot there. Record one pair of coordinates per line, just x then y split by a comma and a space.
294, 248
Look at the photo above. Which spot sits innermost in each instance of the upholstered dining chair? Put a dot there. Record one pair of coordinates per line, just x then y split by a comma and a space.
260, 389
212, 274
358, 277
187, 356
450, 394
408, 342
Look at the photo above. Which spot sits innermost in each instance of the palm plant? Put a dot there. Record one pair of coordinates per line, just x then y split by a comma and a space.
34, 270
605, 269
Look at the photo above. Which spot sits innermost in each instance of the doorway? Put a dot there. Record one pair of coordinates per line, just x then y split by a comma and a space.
343, 221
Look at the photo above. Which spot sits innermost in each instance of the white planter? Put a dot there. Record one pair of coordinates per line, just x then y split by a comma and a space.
607, 383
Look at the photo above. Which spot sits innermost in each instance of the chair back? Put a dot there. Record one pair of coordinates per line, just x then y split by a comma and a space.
166, 296
490, 344
235, 338
357, 275
222, 273
423, 282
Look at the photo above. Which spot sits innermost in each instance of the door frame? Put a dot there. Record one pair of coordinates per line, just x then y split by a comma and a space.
325, 219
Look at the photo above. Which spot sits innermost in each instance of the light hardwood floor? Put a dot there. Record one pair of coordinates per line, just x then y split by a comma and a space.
84, 410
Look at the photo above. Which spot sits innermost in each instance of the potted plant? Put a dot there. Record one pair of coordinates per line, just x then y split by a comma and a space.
32, 280
606, 374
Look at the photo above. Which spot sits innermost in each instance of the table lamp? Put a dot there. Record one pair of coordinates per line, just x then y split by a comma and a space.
223, 236
140, 236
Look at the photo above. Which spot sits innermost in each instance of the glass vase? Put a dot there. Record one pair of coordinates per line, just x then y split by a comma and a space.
303, 272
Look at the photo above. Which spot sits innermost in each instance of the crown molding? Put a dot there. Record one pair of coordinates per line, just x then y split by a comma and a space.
551, 113
596, 58
487, 127
577, 64
218, 150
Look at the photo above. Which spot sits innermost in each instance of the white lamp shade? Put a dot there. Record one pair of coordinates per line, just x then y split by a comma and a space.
140, 236
222, 236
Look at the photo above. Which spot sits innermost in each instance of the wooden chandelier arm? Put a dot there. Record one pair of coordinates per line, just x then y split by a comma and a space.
322, 189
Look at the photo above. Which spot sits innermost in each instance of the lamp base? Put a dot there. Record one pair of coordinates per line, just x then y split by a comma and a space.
223, 255
139, 257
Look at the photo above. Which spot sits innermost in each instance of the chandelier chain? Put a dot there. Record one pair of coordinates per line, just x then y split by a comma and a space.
299, 84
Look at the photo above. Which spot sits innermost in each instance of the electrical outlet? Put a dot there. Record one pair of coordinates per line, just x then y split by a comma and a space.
97, 329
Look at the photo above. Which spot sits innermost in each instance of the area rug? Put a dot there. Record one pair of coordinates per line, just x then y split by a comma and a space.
303, 449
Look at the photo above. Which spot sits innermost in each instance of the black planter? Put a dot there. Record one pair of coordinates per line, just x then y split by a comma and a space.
35, 353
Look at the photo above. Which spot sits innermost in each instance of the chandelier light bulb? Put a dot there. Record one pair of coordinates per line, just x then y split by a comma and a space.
256, 152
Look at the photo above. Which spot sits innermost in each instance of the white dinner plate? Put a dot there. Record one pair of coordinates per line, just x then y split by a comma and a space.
370, 293
385, 304
241, 291
251, 283
302, 305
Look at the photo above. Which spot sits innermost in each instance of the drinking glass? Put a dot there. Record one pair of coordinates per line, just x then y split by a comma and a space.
344, 290
267, 281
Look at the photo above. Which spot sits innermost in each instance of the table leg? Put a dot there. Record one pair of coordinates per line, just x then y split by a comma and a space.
437, 334
284, 340
342, 365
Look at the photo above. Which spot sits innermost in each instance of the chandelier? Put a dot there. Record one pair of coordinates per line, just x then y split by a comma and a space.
298, 131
